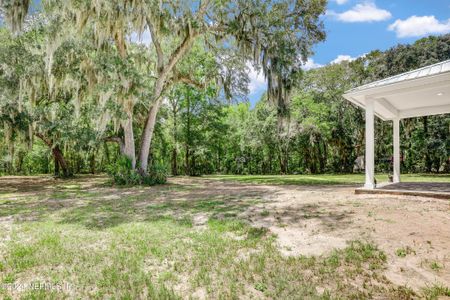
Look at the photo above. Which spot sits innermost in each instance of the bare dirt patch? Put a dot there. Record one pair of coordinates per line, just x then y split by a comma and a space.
313, 220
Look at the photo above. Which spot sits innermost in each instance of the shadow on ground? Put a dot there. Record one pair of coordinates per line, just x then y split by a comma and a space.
88, 201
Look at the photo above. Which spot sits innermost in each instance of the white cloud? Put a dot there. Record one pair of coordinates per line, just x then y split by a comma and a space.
341, 58
310, 64
340, 2
419, 26
257, 80
363, 12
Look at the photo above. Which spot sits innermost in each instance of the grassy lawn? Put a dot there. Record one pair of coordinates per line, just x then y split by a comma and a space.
86, 240
327, 179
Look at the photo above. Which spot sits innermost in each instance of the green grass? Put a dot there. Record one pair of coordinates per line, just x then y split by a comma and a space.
435, 291
326, 179
154, 259
85, 240
403, 252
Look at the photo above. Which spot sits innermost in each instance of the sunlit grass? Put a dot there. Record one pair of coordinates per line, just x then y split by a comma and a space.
160, 258
326, 179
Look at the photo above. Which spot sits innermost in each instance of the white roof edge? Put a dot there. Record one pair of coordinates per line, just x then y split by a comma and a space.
427, 71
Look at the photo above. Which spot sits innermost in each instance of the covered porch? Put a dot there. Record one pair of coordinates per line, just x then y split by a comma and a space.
418, 93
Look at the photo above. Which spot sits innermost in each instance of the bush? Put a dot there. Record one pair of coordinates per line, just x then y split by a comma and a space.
121, 173
157, 175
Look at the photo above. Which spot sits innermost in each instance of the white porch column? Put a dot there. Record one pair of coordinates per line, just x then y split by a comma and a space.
396, 136
370, 144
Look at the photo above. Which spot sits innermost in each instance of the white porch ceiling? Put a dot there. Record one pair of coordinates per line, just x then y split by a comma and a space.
422, 92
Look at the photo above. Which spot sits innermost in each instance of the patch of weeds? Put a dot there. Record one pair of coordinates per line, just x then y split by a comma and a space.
333, 260
435, 266
208, 205
61, 195
166, 276
402, 252
359, 252
260, 286
9, 278
41, 294
402, 292
22, 257
226, 225
229, 215
256, 233
435, 291
265, 213
185, 221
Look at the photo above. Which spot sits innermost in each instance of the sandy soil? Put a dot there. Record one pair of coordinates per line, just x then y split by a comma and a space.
313, 220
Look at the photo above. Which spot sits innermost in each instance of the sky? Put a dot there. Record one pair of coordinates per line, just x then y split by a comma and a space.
356, 27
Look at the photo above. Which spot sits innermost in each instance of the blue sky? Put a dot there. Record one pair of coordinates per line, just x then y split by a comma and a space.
356, 27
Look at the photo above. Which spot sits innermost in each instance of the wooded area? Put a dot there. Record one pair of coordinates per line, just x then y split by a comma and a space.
78, 103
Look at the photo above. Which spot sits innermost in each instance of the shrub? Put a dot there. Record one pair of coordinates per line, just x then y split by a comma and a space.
156, 175
121, 173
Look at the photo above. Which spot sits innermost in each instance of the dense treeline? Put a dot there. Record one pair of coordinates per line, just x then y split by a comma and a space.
74, 77
323, 132
198, 132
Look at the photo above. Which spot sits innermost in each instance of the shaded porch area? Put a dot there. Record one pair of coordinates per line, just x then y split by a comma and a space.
439, 190
418, 93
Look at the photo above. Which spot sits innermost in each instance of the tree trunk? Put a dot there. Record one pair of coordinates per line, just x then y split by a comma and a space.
56, 171
187, 169
92, 163
106, 151
129, 150
174, 161
60, 162
175, 141
147, 135
59, 157
160, 84
193, 164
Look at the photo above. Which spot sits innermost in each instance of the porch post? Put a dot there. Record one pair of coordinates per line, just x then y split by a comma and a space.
396, 136
370, 144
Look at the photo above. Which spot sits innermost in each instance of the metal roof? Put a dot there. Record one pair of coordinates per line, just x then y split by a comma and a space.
421, 92
435, 69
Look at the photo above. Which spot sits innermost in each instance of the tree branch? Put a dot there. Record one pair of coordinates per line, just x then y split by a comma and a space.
189, 81
44, 139
157, 44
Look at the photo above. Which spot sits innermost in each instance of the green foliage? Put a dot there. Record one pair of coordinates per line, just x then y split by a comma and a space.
402, 252
122, 173
68, 88
436, 290
435, 266
156, 175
